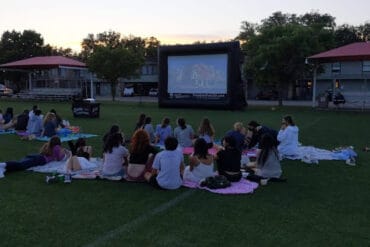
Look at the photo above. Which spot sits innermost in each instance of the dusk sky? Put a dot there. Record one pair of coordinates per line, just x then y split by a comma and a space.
66, 23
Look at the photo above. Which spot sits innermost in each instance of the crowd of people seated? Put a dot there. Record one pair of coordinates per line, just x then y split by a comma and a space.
155, 155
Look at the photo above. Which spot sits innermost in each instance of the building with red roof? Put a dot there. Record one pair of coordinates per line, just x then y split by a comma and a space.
346, 69
53, 75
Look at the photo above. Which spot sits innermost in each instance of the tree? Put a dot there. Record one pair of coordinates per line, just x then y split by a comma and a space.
276, 52
114, 63
346, 34
151, 47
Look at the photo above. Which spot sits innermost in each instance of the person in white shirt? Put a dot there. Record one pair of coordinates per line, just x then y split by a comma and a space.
184, 133
288, 137
115, 156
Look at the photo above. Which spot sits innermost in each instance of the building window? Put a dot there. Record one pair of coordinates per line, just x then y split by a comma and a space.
335, 67
366, 66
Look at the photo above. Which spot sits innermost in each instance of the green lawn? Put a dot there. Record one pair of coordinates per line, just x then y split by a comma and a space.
321, 205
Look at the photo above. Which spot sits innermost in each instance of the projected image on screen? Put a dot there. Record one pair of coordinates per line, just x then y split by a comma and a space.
197, 74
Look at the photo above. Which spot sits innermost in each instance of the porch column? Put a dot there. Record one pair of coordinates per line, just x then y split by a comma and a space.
91, 87
29, 81
314, 87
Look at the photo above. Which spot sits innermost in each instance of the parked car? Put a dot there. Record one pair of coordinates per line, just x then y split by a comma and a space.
267, 95
128, 91
5, 91
153, 92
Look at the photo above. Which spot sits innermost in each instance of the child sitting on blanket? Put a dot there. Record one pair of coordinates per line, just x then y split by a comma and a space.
267, 165
115, 156
168, 166
200, 163
50, 151
228, 160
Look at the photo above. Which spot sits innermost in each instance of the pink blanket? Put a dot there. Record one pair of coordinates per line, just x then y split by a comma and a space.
242, 187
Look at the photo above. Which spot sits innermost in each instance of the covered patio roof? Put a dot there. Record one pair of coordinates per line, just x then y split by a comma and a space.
46, 62
352, 52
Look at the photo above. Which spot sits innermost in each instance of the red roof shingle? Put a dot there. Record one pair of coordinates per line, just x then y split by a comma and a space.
354, 51
44, 62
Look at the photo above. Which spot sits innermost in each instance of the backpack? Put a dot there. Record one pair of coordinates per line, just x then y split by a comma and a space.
216, 182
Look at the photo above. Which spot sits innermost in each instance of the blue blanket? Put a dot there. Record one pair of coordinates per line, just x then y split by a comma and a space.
4, 132
70, 137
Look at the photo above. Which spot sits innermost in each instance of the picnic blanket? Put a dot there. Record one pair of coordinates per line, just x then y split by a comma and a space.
242, 187
9, 131
312, 155
59, 167
70, 137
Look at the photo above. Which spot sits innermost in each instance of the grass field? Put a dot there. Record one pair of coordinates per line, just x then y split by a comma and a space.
321, 205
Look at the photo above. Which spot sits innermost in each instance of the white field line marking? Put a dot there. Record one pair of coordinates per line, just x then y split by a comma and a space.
129, 226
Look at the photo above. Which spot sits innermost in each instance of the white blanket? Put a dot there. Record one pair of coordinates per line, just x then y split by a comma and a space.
312, 155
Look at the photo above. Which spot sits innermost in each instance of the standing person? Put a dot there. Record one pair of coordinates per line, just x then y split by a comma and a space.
115, 155
141, 156
255, 133
168, 166
200, 162
140, 122
50, 151
267, 165
206, 132
163, 131
148, 127
183, 133
228, 160
288, 137
50, 127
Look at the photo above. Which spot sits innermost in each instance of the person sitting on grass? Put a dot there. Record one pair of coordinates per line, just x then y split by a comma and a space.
50, 127
255, 133
141, 156
207, 132
288, 137
113, 130
200, 163
34, 125
238, 134
163, 131
148, 127
50, 151
22, 120
168, 167
115, 156
184, 133
81, 154
267, 165
228, 160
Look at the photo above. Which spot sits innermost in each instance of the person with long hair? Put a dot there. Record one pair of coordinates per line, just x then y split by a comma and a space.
115, 156
148, 127
206, 132
141, 156
81, 154
113, 130
228, 160
184, 133
141, 121
267, 165
288, 137
50, 151
163, 130
200, 163
49, 125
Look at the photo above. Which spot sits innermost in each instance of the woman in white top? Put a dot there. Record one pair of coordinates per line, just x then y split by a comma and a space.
183, 133
148, 127
115, 156
288, 137
200, 163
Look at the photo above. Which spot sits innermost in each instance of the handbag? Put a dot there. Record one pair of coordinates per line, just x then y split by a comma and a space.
215, 182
